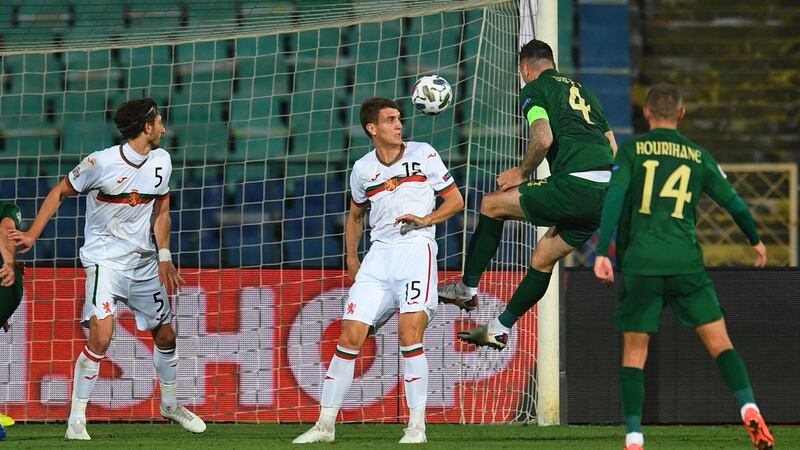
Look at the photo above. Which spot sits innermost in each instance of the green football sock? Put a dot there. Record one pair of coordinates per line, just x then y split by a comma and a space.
735, 375
632, 387
482, 248
529, 291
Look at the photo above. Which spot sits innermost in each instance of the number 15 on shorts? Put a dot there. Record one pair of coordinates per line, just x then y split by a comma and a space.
413, 292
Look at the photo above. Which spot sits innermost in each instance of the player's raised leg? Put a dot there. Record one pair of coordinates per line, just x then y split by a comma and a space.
87, 368
495, 209
338, 379
531, 289
411, 328
165, 360
715, 337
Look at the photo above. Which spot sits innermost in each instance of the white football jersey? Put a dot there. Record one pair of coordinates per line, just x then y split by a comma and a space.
121, 186
407, 186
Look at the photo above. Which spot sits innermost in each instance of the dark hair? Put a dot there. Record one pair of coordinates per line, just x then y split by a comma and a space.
664, 101
371, 108
536, 50
132, 115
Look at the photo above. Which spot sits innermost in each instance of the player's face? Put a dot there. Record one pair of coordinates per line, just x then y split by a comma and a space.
156, 131
389, 129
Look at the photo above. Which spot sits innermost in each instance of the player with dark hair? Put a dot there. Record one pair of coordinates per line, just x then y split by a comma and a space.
399, 181
658, 180
568, 126
126, 186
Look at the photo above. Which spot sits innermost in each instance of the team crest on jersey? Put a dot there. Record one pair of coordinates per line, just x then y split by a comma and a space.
391, 184
134, 198
76, 172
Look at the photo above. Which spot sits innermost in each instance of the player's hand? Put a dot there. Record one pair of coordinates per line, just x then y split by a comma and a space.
761, 254
603, 269
411, 222
353, 265
7, 274
510, 178
169, 276
20, 238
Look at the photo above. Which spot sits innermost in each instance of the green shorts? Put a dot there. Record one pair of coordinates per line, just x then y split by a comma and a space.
691, 296
570, 204
10, 297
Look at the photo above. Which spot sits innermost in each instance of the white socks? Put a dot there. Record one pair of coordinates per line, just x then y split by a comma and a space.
166, 364
415, 378
747, 406
634, 438
496, 327
463, 288
87, 368
337, 381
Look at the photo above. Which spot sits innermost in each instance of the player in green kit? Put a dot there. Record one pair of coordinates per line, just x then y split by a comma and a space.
568, 126
10, 278
658, 180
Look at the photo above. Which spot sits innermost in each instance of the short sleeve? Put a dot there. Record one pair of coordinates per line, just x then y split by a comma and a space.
163, 189
623, 166
715, 182
357, 191
86, 175
438, 176
11, 211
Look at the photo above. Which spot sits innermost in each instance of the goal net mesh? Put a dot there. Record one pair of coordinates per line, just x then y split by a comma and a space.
260, 101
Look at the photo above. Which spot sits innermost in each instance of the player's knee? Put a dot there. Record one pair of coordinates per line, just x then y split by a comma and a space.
164, 337
99, 344
542, 263
489, 206
353, 334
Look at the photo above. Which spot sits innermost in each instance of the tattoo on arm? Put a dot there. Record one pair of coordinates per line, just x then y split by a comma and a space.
539, 144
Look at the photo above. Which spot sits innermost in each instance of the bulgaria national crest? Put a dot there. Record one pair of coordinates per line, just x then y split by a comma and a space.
391, 184
134, 198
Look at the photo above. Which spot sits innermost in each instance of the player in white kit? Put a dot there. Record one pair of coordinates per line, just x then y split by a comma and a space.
125, 186
400, 181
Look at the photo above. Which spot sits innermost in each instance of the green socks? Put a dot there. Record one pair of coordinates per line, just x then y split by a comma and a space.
482, 248
529, 291
632, 387
735, 375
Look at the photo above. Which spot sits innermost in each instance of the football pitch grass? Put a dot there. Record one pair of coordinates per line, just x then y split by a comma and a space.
252, 436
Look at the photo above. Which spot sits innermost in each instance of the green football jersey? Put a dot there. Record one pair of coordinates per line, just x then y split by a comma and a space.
665, 175
576, 118
8, 209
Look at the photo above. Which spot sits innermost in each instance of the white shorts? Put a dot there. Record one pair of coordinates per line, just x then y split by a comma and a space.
394, 277
139, 288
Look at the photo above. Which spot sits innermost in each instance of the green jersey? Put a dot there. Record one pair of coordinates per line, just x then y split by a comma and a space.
576, 118
8, 209
664, 175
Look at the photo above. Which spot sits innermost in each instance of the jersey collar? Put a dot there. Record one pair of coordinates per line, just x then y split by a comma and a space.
399, 156
130, 156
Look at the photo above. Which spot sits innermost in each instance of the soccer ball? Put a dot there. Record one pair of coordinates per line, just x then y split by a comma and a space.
431, 94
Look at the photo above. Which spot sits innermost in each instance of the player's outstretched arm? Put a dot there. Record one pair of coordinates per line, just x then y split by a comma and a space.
744, 219
538, 145
161, 228
8, 252
353, 229
453, 203
49, 207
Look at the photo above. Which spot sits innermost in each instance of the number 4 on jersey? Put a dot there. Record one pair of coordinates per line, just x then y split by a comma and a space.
579, 104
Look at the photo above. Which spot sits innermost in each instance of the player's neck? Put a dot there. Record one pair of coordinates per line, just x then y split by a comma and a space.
388, 154
663, 124
140, 146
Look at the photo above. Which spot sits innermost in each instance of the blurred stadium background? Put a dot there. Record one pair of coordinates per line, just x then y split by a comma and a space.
261, 99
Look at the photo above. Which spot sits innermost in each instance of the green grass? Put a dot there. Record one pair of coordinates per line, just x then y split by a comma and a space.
169, 436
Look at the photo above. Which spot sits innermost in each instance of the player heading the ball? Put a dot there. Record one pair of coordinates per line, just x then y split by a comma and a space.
399, 181
125, 185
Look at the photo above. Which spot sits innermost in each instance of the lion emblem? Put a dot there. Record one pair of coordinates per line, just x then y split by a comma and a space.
391, 184
134, 198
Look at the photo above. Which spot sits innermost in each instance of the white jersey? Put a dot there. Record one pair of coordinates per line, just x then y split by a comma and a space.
408, 186
121, 186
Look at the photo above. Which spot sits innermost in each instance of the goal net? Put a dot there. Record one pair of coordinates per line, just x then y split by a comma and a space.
260, 101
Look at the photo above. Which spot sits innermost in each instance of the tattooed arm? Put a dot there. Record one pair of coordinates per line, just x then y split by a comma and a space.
539, 144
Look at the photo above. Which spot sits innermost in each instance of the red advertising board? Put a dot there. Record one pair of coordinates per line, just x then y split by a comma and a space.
254, 346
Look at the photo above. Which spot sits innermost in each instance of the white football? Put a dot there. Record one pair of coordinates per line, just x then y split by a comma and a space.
431, 94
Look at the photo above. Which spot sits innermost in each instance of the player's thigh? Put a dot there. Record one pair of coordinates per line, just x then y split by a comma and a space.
149, 302
693, 299
370, 299
503, 205
549, 250
640, 306
104, 287
416, 278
